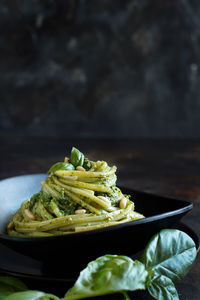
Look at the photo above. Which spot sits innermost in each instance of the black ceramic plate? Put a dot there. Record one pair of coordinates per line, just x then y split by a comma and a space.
80, 248
37, 275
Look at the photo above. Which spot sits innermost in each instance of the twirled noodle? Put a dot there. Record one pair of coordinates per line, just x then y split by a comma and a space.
74, 201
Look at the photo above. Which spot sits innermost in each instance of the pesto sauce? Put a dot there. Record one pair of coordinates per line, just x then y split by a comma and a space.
65, 205
114, 196
87, 164
35, 198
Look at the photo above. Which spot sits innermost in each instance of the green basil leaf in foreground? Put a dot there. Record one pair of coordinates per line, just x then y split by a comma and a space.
109, 274
61, 166
162, 288
77, 157
31, 295
170, 253
10, 284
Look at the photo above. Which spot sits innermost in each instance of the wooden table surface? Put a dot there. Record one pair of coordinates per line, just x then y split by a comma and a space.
161, 166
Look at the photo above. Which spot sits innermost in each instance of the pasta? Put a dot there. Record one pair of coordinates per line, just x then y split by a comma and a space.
78, 195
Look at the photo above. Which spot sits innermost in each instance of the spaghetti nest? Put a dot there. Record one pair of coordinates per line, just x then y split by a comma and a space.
78, 195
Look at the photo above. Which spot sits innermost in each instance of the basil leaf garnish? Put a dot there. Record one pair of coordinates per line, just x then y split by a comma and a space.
162, 288
109, 274
61, 166
170, 253
77, 157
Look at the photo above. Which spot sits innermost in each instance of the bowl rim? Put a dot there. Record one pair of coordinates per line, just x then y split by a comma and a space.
187, 206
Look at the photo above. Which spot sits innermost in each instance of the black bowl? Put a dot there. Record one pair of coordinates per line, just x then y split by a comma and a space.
80, 248
38, 275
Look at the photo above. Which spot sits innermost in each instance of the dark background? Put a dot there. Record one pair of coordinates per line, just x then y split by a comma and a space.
100, 68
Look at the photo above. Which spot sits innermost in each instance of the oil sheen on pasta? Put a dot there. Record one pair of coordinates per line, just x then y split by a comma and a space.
78, 195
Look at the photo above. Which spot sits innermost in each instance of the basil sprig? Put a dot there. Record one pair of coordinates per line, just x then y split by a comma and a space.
77, 159
167, 258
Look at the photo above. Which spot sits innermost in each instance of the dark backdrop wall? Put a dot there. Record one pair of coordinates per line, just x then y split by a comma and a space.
100, 68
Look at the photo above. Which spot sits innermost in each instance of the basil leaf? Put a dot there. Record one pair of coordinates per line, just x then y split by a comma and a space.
11, 284
170, 253
31, 295
162, 288
77, 158
109, 274
61, 166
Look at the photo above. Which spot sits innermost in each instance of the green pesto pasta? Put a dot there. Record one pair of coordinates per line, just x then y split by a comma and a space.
78, 195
